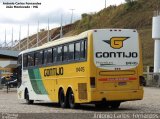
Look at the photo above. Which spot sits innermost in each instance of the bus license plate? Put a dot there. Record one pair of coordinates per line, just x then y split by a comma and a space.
122, 83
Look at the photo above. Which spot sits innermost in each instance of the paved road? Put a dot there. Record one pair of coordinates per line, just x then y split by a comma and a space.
9, 104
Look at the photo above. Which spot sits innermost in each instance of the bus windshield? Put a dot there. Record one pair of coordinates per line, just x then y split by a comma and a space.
116, 49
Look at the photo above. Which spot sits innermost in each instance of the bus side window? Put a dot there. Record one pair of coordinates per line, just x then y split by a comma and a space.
49, 55
59, 55
83, 49
31, 59
77, 50
25, 60
38, 58
65, 52
45, 56
71, 52
54, 54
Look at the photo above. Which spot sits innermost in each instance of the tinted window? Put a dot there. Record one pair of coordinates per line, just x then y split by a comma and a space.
77, 50
31, 59
25, 60
55, 54
83, 49
59, 54
49, 55
71, 51
65, 52
45, 56
20, 59
38, 57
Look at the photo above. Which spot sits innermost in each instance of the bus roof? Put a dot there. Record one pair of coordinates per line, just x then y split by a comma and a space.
67, 39
58, 42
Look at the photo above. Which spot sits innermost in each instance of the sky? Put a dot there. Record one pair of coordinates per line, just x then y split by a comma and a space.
52, 10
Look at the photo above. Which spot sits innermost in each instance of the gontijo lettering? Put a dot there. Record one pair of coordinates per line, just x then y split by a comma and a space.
116, 55
53, 71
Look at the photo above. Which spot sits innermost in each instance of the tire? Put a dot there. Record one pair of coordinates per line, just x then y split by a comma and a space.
28, 101
62, 99
71, 100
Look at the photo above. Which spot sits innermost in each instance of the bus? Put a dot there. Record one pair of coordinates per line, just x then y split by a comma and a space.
100, 66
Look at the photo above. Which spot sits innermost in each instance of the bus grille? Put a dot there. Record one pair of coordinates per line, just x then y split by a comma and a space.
82, 91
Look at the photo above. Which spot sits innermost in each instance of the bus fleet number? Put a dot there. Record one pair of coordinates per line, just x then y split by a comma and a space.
80, 69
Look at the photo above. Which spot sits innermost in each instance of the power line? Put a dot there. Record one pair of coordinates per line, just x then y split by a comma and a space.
20, 37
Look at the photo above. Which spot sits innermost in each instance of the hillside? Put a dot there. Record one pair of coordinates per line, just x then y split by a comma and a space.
137, 15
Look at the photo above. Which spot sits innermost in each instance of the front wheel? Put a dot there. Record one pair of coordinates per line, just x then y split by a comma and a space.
28, 101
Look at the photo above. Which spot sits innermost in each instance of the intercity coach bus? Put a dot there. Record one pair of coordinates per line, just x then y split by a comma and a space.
99, 66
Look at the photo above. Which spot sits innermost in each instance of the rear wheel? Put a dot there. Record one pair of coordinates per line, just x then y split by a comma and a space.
71, 99
62, 99
28, 101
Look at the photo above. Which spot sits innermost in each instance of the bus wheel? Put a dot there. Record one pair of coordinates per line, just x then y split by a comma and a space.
62, 98
115, 105
28, 101
71, 100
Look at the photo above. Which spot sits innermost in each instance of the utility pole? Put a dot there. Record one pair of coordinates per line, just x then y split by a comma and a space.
72, 15
5, 42
61, 31
12, 37
28, 37
48, 36
20, 37
105, 3
37, 34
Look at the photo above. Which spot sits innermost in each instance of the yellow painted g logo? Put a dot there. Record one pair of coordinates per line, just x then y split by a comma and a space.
116, 42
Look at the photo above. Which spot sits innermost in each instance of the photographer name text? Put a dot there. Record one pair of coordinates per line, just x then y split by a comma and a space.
21, 4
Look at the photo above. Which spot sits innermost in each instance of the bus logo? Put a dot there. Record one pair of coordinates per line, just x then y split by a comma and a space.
116, 42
